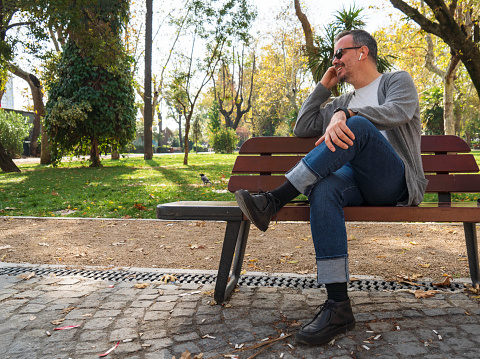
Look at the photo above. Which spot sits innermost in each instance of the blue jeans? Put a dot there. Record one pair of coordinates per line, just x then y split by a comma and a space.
370, 172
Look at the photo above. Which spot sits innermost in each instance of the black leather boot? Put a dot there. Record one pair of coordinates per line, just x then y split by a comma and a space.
333, 318
259, 208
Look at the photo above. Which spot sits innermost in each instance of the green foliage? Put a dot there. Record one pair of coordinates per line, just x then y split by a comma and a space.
224, 140
432, 111
126, 187
88, 102
222, 19
13, 129
213, 115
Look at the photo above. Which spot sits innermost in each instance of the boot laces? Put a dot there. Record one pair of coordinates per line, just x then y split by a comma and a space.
272, 199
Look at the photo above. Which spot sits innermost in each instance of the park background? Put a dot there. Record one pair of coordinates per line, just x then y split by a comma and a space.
208, 58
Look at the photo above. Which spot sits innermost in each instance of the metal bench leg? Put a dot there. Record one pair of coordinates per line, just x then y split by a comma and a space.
235, 241
472, 251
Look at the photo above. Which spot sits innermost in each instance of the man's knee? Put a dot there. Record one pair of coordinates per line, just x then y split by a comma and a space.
359, 123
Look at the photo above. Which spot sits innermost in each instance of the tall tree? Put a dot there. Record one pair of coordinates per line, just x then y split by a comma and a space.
214, 23
461, 33
281, 78
13, 18
186, 94
147, 98
91, 104
234, 90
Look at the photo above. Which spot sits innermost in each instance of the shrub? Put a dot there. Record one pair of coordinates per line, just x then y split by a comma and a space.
224, 140
163, 149
13, 129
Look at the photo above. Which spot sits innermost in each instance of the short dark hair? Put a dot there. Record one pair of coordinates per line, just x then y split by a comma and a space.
361, 38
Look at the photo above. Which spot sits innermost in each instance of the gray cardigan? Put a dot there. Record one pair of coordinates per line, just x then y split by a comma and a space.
398, 114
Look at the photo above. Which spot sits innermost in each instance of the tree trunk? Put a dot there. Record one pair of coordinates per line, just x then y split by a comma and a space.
180, 137
187, 130
148, 119
38, 106
45, 155
6, 163
449, 82
307, 30
94, 154
115, 154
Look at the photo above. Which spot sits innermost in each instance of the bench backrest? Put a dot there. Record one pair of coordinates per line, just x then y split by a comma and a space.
262, 162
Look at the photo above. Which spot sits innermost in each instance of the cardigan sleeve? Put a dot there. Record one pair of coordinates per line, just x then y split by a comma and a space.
312, 116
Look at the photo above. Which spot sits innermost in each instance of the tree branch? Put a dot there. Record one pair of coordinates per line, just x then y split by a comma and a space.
18, 24
416, 16
429, 57
307, 29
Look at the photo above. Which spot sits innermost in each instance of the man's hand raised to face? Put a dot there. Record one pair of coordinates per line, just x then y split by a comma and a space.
337, 133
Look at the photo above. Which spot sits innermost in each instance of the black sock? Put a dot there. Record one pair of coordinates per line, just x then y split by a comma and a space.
337, 291
285, 193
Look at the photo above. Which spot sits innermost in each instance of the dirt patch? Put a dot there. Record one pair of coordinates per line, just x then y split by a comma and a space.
385, 250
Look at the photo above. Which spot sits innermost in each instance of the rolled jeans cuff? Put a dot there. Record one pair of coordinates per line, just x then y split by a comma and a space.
332, 270
302, 177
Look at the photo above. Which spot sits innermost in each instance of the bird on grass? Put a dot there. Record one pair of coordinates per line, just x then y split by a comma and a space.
205, 180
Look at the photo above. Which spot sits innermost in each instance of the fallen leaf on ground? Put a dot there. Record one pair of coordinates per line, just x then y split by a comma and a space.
168, 278
27, 276
141, 285
188, 355
423, 294
474, 290
445, 283
139, 206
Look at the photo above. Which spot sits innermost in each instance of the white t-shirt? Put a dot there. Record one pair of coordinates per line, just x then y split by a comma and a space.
367, 96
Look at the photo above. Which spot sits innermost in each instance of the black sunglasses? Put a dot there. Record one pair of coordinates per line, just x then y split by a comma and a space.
339, 53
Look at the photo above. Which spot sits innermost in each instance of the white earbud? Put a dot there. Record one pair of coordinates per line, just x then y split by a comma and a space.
360, 57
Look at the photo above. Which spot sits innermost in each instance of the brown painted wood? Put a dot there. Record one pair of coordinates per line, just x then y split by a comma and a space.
280, 164
437, 183
460, 183
449, 163
426, 212
257, 145
444, 143
257, 164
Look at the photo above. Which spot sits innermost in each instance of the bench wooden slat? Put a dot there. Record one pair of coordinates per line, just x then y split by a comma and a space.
258, 164
460, 183
449, 163
444, 143
296, 145
426, 212
281, 164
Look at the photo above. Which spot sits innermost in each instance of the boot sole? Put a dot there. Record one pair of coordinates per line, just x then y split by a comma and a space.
313, 340
244, 201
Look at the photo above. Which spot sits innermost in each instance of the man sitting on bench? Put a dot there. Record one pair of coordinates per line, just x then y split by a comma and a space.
368, 153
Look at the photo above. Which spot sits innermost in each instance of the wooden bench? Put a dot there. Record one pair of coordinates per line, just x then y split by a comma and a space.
263, 161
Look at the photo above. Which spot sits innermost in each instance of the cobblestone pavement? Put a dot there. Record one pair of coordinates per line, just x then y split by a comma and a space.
165, 320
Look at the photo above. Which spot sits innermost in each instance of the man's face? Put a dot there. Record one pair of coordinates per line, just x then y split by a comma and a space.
345, 66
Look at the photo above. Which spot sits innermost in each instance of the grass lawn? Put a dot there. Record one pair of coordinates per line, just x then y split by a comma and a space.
130, 187
127, 188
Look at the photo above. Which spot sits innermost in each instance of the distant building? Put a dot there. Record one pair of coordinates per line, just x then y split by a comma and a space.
7, 99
